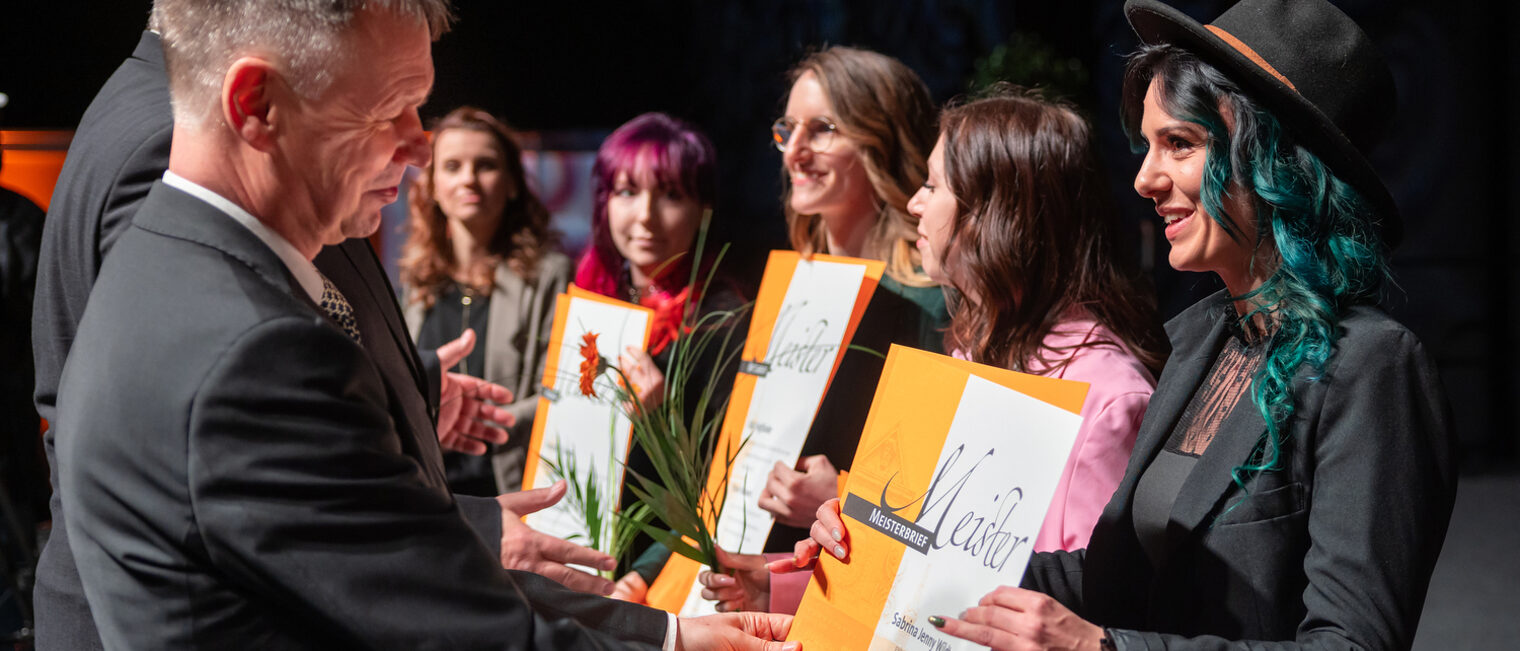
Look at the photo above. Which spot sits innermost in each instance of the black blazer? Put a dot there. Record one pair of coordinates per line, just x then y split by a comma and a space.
232, 474
119, 150
1333, 551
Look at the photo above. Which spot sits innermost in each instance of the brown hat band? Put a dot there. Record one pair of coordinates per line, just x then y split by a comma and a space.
1250, 54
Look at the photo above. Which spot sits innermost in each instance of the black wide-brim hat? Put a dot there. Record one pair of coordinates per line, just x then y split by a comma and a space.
1308, 63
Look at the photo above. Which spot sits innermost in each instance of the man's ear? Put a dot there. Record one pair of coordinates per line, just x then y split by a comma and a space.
248, 93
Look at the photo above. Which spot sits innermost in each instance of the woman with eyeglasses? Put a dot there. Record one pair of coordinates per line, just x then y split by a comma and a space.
854, 137
1294, 474
854, 140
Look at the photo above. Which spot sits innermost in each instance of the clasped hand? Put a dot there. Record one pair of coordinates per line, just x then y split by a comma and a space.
736, 632
793, 496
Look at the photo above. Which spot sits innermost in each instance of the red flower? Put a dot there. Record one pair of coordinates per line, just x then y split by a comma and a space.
591, 364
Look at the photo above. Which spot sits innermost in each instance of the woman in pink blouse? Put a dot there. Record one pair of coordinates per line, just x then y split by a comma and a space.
1015, 217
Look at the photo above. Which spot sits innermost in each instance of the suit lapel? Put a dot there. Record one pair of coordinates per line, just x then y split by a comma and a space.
1116, 551
1195, 338
1212, 476
177, 214
355, 271
378, 287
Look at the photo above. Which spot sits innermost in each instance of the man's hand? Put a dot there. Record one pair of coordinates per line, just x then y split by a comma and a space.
735, 631
631, 588
467, 420
747, 588
522, 548
793, 496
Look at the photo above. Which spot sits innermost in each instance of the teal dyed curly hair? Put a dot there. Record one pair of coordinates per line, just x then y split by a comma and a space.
1329, 254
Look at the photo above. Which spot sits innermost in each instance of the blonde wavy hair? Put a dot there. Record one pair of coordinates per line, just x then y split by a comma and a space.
884, 108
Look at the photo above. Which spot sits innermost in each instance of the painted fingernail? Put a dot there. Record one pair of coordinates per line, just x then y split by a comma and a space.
838, 535
838, 552
937, 621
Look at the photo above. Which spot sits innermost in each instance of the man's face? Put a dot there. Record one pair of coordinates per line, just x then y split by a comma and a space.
342, 157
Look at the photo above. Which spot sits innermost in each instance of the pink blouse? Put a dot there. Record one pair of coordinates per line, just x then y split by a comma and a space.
1120, 389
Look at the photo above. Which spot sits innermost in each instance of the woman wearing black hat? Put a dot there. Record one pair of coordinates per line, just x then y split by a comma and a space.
1293, 478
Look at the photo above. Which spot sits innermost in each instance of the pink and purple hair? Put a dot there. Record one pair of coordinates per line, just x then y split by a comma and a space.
653, 146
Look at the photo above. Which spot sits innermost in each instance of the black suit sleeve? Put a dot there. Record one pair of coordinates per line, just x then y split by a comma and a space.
1058, 574
302, 496
1384, 483
484, 516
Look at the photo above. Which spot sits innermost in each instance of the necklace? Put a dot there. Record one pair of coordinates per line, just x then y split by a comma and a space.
466, 299
633, 291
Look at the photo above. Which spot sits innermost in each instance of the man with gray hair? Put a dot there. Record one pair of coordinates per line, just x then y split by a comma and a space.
230, 474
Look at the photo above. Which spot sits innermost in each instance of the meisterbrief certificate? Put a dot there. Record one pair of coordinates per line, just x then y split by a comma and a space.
955, 470
594, 431
805, 314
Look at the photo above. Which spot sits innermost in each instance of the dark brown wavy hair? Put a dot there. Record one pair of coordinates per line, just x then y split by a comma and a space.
1034, 238
522, 236
885, 108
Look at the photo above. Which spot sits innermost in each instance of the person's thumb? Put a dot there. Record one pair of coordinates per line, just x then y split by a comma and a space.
770, 626
525, 502
450, 354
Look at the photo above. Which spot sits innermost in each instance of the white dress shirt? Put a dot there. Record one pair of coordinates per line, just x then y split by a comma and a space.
305, 272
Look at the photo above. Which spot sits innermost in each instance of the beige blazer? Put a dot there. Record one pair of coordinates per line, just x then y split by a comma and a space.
521, 316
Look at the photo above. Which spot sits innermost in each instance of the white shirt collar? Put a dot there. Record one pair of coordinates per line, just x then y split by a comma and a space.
305, 272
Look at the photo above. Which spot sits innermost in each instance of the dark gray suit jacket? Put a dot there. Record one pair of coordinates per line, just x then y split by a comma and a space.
119, 150
232, 476
1333, 551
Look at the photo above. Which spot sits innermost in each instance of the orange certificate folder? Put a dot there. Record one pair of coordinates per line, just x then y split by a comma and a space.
805, 314
955, 470
593, 430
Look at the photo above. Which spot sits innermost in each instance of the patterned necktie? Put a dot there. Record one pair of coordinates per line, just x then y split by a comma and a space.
339, 310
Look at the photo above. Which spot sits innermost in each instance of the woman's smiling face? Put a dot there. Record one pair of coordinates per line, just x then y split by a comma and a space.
827, 183
1172, 176
650, 224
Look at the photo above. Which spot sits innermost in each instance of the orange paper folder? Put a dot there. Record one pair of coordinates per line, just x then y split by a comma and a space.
670, 589
896, 462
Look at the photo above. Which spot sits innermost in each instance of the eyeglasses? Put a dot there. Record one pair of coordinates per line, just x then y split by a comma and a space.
817, 133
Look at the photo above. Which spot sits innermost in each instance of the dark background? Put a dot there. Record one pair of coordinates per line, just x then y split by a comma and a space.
574, 68
572, 71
